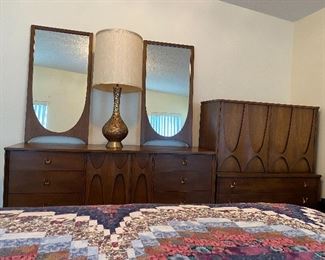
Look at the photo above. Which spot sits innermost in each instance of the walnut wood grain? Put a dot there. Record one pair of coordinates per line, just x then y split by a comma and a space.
46, 182
102, 176
259, 137
141, 180
265, 151
301, 189
33, 128
147, 132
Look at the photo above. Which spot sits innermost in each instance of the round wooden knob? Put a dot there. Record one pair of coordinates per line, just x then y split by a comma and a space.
47, 161
233, 185
305, 185
183, 180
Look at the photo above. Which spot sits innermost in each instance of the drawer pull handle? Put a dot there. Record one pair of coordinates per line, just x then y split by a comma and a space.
47, 161
183, 180
233, 185
305, 185
305, 200
184, 162
46, 182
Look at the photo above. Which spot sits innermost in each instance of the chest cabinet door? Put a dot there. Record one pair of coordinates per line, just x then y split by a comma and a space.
108, 178
141, 182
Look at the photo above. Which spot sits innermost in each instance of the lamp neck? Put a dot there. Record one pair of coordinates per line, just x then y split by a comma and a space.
117, 94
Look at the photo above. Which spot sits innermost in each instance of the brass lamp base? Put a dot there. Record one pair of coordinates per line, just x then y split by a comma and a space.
114, 145
115, 130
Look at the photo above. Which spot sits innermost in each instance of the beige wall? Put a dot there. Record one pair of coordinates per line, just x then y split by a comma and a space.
166, 103
65, 94
308, 73
239, 54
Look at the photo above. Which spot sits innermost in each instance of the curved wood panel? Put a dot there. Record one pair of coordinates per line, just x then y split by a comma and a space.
301, 166
142, 160
120, 160
255, 165
280, 128
119, 191
233, 115
230, 164
33, 127
95, 195
302, 123
140, 194
257, 125
280, 165
147, 132
96, 160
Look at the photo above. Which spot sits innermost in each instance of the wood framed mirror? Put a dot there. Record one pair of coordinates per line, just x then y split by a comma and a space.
167, 98
59, 81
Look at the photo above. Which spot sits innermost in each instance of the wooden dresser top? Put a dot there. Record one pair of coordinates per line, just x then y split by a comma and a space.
102, 148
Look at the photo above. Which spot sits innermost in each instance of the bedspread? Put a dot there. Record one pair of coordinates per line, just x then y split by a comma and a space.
149, 231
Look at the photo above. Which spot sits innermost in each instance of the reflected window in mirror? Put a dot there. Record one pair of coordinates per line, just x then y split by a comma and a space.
166, 124
168, 92
40, 108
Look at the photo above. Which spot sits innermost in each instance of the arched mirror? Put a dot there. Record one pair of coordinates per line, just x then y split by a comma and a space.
59, 82
167, 97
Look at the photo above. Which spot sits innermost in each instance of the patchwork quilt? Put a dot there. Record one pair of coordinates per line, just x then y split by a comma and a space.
150, 231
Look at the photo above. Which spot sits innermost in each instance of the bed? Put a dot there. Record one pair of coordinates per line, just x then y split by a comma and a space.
151, 231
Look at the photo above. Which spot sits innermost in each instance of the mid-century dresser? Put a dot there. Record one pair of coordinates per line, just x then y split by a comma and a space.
264, 152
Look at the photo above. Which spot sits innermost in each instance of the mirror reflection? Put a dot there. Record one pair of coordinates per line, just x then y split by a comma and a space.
167, 88
59, 78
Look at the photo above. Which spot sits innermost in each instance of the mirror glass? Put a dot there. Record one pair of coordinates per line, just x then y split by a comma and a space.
60, 72
168, 71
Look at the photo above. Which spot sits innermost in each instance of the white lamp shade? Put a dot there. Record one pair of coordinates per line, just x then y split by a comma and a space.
118, 60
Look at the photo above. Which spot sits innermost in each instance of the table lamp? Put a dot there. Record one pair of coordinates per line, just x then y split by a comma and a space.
117, 66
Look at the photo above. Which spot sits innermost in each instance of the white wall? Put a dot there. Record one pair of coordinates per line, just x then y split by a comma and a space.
308, 73
239, 54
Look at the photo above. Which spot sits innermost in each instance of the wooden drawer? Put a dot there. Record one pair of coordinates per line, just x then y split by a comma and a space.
184, 181
303, 198
22, 160
46, 182
266, 185
175, 197
40, 200
172, 162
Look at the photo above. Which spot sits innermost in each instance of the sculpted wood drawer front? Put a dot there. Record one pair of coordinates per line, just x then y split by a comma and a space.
185, 181
172, 162
22, 160
46, 182
38, 178
266, 185
54, 175
183, 178
295, 190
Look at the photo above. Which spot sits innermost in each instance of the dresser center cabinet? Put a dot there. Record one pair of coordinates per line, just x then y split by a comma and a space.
46, 175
